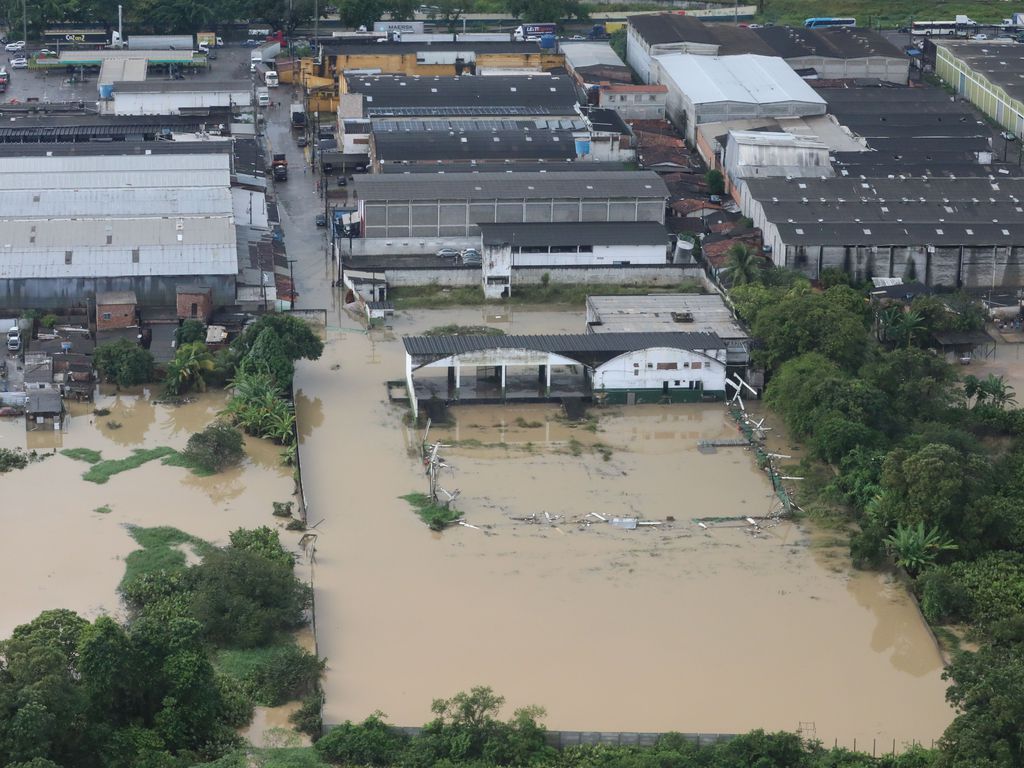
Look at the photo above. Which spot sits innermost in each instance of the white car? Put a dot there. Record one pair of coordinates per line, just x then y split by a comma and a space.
982, 36
47, 52
16, 46
19, 63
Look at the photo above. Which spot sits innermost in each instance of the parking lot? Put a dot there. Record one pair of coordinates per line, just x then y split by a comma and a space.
56, 85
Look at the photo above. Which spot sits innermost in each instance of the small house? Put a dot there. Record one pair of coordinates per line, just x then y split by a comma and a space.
195, 302
44, 409
116, 309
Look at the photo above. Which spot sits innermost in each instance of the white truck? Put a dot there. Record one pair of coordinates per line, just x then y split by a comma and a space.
402, 27
264, 54
1016, 21
160, 43
263, 96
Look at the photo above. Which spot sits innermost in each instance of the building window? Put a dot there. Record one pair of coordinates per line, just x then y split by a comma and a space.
106, 315
636, 365
667, 366
67, 257
650, 365
686, 365
697, 366
636, 371
135, 255
677, 382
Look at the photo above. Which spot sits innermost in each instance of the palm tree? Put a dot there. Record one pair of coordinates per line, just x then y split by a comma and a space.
911, 325
972, 389
997, 390
742, 265
915, 547
888, 321
187, 369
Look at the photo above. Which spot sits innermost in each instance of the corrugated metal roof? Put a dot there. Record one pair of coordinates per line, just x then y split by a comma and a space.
566, 344
589, 53
744, 79
608, 184
115, 163
103, 179
113, 202
183, 86
123, 70
72, 233
576, 233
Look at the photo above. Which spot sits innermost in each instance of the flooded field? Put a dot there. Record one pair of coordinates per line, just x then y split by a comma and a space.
668, 628
59, 551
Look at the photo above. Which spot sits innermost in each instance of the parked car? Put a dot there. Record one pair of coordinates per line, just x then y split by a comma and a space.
19, 63
250, 43
47, 52
302, 141
18, 45
981, 36
13, 340
321, 220
471, 257
342, 181
447, 253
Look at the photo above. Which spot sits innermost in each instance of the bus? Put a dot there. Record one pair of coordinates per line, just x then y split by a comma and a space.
822, 22
962, 26
5, 80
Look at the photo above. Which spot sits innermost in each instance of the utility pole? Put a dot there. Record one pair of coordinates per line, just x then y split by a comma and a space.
291, 276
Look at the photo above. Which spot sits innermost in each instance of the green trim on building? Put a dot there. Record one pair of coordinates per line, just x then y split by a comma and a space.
987, 96
645, 396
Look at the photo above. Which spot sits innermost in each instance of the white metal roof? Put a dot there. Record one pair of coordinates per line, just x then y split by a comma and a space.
589, 53
71, 233
110, 163
113, 202
117, 70
775, 139
744, 79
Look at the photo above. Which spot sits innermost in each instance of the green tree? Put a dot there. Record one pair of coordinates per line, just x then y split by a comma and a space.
269, 355
262, 541
995, 390
987, 690
915, 548
124, 363
191, 363
743, 265
371, 742
190, 331
216, 448
715, 182
359, 13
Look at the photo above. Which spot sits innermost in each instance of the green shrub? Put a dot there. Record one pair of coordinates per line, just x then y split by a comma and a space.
715, 182
272, 675
371, 742
190, 331
307, 719
124, 363
216, 448
943, 598
49, 320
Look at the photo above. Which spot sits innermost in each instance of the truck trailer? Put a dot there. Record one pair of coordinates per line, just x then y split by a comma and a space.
209, 39
298, 116
75, 38
534, 31
160, 43
264, 53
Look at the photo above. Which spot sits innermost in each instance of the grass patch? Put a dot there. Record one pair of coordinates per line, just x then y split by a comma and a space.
436, 517
464, 330
604, 450
178, 459
88, 455
104, 510
271, 674
524, 424
270, 757
575, 447
948, 640
874, 13
160, 551
102, 471
433, 296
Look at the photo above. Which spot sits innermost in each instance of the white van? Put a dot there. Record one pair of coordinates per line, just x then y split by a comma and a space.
13, 339
263, 97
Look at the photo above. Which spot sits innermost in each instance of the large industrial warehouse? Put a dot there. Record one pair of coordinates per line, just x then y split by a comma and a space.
77, 225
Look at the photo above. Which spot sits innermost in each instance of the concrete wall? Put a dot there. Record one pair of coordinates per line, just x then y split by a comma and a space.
48, 293
634, 105
602, 255
120, 316
666, 275
886, 68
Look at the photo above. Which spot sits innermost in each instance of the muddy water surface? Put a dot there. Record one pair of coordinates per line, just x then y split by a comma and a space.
668, 628
58, 552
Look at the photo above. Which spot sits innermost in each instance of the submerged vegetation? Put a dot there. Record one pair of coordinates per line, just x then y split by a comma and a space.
436, 516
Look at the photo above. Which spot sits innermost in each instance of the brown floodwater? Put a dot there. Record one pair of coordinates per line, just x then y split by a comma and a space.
58, 552
674, 627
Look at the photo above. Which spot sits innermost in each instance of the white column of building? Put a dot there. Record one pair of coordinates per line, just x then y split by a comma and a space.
547, 378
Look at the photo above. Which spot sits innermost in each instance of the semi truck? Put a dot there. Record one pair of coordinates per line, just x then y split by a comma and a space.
404, 27
280, 166
264, 53
77, 37
160, 43
298, 117
534, 31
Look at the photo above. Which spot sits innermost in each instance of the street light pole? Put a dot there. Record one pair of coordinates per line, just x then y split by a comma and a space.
24, 21
291, 276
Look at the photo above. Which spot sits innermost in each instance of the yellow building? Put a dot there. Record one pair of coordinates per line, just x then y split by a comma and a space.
989, 74
441, 58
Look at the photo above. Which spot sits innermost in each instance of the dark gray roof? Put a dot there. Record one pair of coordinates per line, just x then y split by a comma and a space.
786, 42
1000, 63
518, 166
576, 233
607, 120
81, 128
445, 125
43, 402
477, 145
401, 95
883, 211
602, 185
565, 344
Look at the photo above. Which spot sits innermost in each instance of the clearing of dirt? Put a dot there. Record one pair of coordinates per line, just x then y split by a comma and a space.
674, 627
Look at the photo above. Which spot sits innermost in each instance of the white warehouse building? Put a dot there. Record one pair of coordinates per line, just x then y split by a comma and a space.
708, 89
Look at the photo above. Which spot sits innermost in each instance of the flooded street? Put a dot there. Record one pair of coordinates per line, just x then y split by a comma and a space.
668, 628
58, 551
